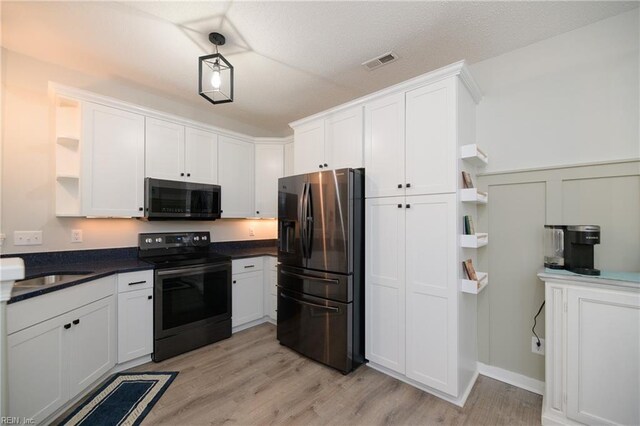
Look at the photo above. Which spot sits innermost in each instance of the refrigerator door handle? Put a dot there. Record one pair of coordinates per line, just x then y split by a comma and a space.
310, 277
309, 225
315, 305
303, 221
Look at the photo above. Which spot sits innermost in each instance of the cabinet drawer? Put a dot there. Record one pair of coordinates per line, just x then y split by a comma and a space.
238, 266
138, 280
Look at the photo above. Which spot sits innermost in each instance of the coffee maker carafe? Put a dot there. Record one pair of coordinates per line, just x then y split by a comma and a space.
571, 247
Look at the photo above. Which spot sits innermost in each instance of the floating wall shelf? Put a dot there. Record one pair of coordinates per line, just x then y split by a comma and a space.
474, 155
473, 286
472, 195
474, 241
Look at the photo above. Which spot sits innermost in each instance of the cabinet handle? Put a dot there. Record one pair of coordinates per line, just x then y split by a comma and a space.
137, 282
408, 206
67, 326
234, 281
399, 206
188, 174
140, 209
326, 165
257, 211
399, 185
149, 297
249, 266
408, 185
320, 165
76, 322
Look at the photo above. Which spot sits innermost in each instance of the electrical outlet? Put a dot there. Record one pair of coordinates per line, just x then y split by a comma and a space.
534, 346
27, 238
251, 232
76, 235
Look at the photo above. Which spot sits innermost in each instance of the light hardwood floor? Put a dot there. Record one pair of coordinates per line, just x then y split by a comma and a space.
250, 379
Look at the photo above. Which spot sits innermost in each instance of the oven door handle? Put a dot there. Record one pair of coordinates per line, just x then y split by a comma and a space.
189, 270
311, 277
301, 302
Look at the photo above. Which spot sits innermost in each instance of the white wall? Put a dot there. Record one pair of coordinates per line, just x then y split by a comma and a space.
569, 99
28, 163
562, 101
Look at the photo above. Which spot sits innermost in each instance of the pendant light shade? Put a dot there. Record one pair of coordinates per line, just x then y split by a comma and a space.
215, 74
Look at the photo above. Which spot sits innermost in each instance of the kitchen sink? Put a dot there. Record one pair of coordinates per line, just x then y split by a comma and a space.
51, 279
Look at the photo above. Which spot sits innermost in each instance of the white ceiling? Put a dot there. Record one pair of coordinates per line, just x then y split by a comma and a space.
292, 59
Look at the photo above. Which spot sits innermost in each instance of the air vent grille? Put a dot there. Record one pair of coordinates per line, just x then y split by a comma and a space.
381, 60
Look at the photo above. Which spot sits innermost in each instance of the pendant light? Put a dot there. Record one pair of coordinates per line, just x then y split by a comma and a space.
215, 73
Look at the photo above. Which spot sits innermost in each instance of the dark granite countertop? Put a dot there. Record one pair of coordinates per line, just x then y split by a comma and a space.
94, 264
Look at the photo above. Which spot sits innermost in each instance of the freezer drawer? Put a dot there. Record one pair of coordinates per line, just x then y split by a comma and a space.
318, 328
326, 285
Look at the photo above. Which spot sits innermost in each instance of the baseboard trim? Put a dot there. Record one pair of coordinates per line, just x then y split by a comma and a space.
515, 379
251, 324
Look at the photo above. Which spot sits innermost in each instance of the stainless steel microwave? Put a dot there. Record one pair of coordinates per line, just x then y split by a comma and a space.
173, 200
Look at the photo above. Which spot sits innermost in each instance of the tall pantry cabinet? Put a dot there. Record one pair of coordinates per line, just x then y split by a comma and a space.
420, 325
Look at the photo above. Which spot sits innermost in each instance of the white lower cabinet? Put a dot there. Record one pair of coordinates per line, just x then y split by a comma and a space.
592, 359
135, 315
412, 298
247, 291
51, 362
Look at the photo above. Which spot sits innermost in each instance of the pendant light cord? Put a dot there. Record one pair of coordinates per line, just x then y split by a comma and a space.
535, 319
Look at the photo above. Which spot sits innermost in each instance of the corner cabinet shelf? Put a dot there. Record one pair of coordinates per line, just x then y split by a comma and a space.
473, 286
474, 241
68, 116
474, 155
472, 195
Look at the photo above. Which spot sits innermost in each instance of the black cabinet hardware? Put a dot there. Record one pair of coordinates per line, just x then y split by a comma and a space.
408, 185
399, 206
326, 165
399, 185
140, 209
408, 206
320, 165
181, 174
149, 297
188, 174
249, 266
257, 211
67, 326
76, 322
137, 282
234, 281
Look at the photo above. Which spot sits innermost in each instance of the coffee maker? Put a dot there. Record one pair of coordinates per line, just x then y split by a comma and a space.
571, 247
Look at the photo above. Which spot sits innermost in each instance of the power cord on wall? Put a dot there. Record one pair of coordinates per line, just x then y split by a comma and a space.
535, 319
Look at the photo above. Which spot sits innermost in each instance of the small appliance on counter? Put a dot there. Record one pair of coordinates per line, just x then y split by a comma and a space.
570, 247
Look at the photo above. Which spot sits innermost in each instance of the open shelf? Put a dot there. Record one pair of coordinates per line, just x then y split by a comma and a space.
68, 141
67, 176
475, 287
476, 240
474, 155
472, 195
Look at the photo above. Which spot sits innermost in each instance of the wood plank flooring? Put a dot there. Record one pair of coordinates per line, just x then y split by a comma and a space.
250, 379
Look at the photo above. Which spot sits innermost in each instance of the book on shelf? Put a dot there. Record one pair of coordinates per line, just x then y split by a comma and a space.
466, 180
469, 228
470, 270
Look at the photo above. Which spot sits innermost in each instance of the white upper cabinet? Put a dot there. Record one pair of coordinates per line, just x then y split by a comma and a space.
164, 150
308, 150
330, 142
236, 177
112, 162
343, 139
201, 156
384, 146
288, 160
430, 153
269, 168
176, 152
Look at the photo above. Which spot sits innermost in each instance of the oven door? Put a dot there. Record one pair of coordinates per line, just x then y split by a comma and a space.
191, 296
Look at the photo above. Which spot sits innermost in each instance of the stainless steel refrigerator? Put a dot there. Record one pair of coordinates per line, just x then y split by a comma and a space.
321, 266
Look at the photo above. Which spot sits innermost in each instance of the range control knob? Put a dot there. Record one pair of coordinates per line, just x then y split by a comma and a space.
148, 240
204, 238
159, 240
196, 238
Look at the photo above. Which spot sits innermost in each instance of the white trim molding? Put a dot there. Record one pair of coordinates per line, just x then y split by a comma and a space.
515, 379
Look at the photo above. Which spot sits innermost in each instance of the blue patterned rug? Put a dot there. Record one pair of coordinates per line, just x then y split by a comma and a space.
125, 399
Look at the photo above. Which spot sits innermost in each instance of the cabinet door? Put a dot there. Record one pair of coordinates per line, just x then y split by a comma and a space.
431, 267
288, 159
431, 139
235, 174
384, 146
38, 369
343, 143
247, 298
384, 282
135, 324
269, 168
164, 150
113, 162
308, 151
201, 156
92, 351
603, 344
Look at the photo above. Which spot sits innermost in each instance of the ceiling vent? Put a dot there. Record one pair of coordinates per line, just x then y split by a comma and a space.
381, 60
